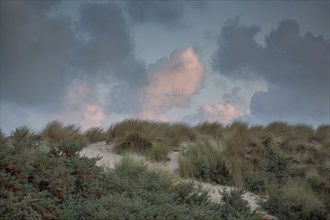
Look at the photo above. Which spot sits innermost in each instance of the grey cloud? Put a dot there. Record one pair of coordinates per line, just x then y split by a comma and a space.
34, 51
108, 40
237, 49
109, 52
295, 66
41, 55
167, 13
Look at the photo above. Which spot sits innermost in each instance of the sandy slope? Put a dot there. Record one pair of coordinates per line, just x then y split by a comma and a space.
109, 159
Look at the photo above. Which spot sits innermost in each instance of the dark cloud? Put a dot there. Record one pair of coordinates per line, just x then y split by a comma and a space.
237, 49
108, 50
167, 13
295, 66
107, 40
41, 55
34, 51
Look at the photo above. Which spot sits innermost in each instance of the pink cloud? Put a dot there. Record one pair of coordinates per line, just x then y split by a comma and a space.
93, 115
81, 107
223, 113
77, 91
172, 81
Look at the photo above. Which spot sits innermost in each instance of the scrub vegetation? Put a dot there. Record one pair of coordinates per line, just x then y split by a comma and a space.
43, 177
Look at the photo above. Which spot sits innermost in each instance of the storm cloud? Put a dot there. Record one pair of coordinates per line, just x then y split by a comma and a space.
295, 65
41, 55
107, 54
34, 53
93, 63
169, 14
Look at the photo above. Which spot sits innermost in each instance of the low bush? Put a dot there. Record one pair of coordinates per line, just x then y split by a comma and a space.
44, 186
295, 200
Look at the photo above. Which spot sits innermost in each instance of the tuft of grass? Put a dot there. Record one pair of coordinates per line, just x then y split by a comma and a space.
130, 167
323, 135
213, 129
133, 142
95, 134
55, 132
209, 159
24, 137
140, 134
3, 138
295, 200
178, 133
157, 152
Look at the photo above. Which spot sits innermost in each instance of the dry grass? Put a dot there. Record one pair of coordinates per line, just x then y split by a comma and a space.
323, 135
56, 132
95, 134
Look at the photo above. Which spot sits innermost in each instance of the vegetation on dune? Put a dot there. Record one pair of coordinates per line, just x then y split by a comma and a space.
266, 160
41, 185
95, 134
56, 132
154, 139
42, 175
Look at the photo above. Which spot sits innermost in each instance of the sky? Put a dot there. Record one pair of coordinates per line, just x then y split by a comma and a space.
94, 63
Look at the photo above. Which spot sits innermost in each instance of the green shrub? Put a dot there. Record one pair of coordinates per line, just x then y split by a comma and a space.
233, 203
295, 200
65, 149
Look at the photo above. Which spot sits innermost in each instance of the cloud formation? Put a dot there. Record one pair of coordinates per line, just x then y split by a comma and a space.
107, 55
34, 53
295, 66
82, 105
42, 55
223, 113
172, 81
169, 14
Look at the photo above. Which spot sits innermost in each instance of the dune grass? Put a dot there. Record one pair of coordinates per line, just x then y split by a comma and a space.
56, 132
95, 134
289, 163
158, 152
154, 139
23, 136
